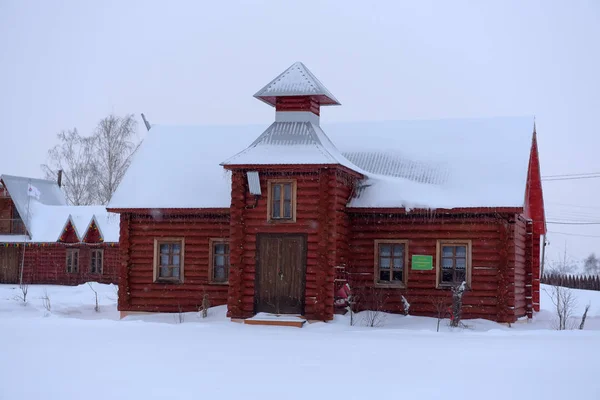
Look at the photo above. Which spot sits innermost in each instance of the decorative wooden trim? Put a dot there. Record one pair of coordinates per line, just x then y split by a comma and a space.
71, 251
405, 268
211, 261
155, 277
438, 257
101, 251
292, 168
294, 184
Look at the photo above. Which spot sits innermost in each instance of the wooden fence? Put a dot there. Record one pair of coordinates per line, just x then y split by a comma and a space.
572, 281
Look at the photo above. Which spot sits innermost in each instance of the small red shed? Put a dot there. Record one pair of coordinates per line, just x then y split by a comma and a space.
394, 208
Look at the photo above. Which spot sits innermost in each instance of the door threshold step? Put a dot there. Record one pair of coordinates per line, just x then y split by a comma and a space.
296, 321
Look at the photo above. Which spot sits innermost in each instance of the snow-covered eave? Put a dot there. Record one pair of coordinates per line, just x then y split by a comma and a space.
291, 167
429, 211
169, 210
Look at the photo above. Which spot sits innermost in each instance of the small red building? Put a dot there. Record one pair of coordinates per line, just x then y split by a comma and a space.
277, 222
51, 242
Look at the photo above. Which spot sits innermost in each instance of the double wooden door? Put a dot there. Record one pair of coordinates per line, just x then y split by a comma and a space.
280, 274
9, 265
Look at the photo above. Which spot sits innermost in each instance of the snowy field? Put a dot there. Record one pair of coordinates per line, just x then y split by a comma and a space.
74, 352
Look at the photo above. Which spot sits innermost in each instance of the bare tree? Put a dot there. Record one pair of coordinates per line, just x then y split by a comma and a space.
564, 265
73, 155
114, 144
591, 265
564, 302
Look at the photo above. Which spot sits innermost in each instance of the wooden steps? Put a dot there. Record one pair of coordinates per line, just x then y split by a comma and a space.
266, 319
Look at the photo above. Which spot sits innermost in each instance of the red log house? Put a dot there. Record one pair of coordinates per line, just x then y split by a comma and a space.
54, 243
279, 222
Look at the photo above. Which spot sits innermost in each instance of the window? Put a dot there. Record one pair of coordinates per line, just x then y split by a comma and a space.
73, 260
282, 200
96, 261
453, 262
219, 261
168, 260
391, 259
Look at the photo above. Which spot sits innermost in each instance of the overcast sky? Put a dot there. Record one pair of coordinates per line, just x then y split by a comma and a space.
68, 64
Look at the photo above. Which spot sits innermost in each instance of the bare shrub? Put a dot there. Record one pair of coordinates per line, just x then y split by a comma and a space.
205, 305
97, 307
180, 316
46, 301
405, 306
373, 316
457, 294
441, 305
23, 295
587, 308
564, 304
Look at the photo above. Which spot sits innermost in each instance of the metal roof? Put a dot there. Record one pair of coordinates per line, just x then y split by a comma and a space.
297, 80
291, 143
398, 165
254, 183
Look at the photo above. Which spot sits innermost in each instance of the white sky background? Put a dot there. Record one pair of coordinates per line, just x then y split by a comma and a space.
68, 64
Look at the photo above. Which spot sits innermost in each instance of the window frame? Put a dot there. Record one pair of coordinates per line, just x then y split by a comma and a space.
211, 260
293, 204
156, 260
438, 261
101, 252
75, 252
391, 284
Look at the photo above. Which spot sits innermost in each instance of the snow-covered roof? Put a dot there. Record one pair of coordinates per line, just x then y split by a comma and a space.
46, 217
297, 80
447, 163
48, 222
18, 187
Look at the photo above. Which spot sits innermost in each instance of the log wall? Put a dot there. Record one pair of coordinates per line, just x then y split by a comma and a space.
497, 243
46, 264
138, 291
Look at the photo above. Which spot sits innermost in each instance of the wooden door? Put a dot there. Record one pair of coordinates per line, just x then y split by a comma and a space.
9, 265
280, 274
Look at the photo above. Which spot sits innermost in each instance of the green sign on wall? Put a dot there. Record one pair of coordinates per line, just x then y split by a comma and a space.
422, 263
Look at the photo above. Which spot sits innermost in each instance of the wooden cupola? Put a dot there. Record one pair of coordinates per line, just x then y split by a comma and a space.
297, 89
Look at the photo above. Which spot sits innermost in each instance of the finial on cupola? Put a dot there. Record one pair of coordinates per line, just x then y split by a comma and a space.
297, 89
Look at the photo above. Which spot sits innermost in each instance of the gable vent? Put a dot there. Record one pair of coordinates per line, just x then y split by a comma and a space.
254, 183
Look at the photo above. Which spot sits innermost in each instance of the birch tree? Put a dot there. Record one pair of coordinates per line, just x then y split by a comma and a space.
114, 143
74, 156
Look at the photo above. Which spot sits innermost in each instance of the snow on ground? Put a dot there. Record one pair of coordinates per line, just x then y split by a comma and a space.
74, 352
